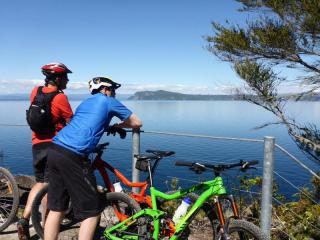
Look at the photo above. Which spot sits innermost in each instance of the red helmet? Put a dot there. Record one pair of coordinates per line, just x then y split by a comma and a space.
55, 69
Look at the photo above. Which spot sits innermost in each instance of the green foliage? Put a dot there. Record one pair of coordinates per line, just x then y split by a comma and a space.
247, 182
316, 187
174, 183
259, 78
292, 220
299, 219
286, 34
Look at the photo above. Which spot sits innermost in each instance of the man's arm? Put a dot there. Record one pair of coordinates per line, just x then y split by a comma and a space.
131, 122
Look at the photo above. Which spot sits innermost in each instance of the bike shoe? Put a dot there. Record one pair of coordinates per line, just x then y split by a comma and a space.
23, 229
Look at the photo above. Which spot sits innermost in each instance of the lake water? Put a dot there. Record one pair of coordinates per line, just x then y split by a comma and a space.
216, 118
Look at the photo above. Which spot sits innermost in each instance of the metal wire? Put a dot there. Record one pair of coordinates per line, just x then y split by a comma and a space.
298, 161
237, 139
205, 136
13, 125
292, 185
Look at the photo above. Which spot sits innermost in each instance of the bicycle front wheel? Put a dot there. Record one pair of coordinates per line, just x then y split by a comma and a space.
9, 198
244, 230
202, 223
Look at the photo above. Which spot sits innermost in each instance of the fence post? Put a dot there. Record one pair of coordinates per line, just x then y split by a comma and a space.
267, 185
135, 150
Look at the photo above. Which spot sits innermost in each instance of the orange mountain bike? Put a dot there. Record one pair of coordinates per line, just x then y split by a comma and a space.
131, 202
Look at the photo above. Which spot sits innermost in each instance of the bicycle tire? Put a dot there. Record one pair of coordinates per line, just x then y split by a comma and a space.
9, 198
130, 209
244, 228
36, 216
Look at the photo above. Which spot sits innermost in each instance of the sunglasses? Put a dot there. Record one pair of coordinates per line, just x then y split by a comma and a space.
111, 89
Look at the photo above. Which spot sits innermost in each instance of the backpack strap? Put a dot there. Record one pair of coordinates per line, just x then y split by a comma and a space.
47, 97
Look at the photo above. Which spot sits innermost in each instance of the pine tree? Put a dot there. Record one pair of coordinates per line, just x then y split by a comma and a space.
286, 33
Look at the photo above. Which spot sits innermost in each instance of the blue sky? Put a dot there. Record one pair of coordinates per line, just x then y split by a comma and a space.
145, 45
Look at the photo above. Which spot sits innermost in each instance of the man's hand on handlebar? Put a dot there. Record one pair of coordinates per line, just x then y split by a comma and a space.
114, 129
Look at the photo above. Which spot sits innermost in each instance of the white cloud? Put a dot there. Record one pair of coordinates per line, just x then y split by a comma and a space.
181, 88
18, 86
25, 86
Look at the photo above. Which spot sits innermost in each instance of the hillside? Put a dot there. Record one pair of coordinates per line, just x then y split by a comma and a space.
165, 95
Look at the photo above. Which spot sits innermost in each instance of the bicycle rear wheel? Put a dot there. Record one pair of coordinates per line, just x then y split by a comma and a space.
9, 198
119, 206
39, 213
243, 230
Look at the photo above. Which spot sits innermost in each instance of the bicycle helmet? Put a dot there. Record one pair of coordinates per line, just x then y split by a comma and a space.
97, 83
55, 68
54, 72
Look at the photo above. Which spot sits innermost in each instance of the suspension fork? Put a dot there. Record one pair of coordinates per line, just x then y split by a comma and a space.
219, 211
234, 206
223, 222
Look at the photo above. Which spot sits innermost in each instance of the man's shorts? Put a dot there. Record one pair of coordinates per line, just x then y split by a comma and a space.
71, 177
40, 155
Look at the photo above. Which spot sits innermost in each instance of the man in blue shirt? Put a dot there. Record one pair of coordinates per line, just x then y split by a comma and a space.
70, 172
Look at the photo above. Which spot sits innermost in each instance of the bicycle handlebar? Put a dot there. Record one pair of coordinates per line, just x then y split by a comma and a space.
184, 163
100, 147
201, 167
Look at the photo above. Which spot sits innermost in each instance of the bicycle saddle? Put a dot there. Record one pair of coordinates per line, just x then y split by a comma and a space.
145, 157
161, 153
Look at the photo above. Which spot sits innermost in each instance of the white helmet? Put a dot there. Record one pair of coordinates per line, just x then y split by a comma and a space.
96, 84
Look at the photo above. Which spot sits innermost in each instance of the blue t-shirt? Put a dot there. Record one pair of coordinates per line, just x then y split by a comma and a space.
91, 120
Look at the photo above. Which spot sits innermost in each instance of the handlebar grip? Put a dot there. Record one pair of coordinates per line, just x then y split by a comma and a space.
254, 162
184, 163
104, 144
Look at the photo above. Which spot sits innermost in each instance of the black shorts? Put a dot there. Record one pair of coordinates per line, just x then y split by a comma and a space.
71, 177
40, 155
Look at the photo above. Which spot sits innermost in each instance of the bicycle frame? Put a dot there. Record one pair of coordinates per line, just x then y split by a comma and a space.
214, 187
140, 197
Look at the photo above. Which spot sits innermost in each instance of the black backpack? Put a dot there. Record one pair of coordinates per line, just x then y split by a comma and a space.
39, 115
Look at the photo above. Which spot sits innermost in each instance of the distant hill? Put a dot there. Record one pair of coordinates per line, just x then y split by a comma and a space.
307, 97
165, 95
158, 95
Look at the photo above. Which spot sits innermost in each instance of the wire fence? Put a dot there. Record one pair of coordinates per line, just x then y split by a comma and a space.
278, 225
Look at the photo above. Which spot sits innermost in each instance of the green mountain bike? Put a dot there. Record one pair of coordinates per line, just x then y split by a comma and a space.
150, 222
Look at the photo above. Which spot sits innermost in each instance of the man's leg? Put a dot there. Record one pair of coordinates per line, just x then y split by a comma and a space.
23, 223
87, 228
52, 226
44, 210
32, 194
39, 154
